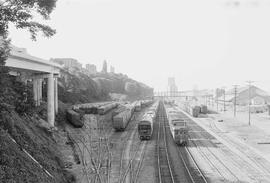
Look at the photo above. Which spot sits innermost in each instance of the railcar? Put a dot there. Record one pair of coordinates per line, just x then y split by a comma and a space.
121, 120
145, 103
178, 126
145, 127
138, 106
179, 131
193, 110
106, 108
204, 109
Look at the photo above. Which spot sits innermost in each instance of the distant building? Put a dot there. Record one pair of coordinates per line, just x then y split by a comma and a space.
91, 68
70, 64
104, 67
257, 96
112, 69
172, 86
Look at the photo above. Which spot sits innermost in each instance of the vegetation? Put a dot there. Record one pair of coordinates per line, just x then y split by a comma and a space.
20, 13
15, 164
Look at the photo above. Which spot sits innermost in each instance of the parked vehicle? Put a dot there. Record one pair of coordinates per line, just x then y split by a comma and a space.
121, 120
145, 127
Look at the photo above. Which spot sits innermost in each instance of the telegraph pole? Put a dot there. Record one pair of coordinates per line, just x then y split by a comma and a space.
249, 84
224, 105
217, 103
235, 95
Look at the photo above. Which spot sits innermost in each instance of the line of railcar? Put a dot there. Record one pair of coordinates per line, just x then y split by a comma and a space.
96, 108
178, 126
145, 125
123, 114
194, 110
106, 108
121, 120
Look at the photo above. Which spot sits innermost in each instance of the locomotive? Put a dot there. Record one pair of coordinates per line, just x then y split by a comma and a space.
178, 127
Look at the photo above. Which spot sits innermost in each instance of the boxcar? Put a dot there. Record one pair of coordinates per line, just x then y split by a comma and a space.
106, 108
138, 106
121, 120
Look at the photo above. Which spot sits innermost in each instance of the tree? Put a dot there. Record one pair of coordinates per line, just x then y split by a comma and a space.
20, 13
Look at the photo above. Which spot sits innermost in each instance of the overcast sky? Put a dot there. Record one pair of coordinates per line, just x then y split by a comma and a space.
208, 43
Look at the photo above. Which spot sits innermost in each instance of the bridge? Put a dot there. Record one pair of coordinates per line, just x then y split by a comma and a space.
37, 70
188, 95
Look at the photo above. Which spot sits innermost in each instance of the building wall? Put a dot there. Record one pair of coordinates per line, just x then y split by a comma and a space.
68, 63
258, 101
91, 68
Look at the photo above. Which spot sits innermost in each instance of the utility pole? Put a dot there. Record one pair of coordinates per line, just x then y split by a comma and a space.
224, 105
249, 84
217, 102
235, 95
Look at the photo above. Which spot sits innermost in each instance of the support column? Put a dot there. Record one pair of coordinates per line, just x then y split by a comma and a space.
50, 100
35, 91
39, 91
55, 95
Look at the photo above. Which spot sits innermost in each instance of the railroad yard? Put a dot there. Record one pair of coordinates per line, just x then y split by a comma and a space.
103, 151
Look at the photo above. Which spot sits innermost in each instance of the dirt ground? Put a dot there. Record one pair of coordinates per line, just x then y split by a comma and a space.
246, 145
256, 136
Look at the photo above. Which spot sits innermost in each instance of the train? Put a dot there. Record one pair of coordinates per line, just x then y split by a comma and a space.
138, 106
90, 108
124, 112
194, 110
121, 120
145, 125
145, 103
178, 126
106, 108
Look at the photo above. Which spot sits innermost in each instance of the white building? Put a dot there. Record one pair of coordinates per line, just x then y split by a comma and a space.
91, 68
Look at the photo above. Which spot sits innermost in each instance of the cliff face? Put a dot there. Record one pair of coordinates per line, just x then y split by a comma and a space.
82, 88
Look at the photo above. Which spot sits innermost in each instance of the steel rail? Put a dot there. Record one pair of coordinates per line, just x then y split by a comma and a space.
161, 117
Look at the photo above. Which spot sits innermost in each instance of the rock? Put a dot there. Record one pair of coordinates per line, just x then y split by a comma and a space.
220, 120
74, 118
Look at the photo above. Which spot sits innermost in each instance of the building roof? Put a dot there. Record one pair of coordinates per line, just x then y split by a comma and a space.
242, 91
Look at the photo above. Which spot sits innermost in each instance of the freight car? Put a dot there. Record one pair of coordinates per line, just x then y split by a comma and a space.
89, 108
193, 110
121, 120
204, 109
138, 106
106, 108
145, 103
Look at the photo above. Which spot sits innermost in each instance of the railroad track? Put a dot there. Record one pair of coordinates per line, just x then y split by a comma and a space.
253, 157
215, 162
139, 167
195, 174
192, 169
118, 169
132, 169
165, 173
210, 156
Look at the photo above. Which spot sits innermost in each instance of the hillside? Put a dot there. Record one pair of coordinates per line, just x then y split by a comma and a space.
81, 88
